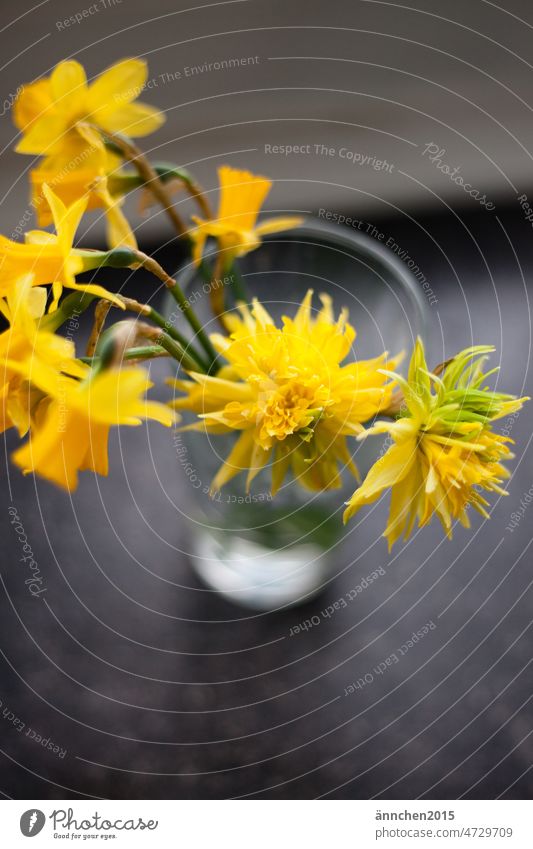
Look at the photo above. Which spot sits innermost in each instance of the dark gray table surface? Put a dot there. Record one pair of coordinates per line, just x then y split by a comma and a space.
153, 687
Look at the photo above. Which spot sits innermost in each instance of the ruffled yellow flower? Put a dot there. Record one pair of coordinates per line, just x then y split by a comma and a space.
444, 452
235, 227
30, 359
97, 183
286, 392
60, 116
71, 431
51, 258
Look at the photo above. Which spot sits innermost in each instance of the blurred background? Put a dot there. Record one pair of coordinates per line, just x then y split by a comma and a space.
149, 685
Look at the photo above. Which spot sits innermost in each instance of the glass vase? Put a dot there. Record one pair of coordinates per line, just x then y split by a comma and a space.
267, 553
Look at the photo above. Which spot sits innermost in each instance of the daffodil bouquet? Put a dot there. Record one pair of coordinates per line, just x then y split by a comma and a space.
291, 393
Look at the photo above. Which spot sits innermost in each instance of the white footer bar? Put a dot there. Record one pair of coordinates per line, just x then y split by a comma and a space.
267, 824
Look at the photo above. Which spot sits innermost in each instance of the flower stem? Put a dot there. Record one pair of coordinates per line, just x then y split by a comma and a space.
140, 352
238, 284
151, 265
131, 153
216, 292
214, 277
122, 336
146, 331
149, 312
168, 172
100, 315
75, 303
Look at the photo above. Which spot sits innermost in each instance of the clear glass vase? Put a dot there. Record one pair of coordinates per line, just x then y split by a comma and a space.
265, 553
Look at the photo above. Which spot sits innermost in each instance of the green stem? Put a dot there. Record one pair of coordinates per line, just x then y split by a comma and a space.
150, 264
205, 270
76, 302
178, 295
166, 172
114, 344
131, 153
177, 352
149, 312
174, 334
238, 285
141, 352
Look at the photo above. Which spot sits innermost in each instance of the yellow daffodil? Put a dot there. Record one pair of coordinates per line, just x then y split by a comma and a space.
31, 360
71, 431
98, 184
287, 393
51, 258
235, 227
444, 451
61, 115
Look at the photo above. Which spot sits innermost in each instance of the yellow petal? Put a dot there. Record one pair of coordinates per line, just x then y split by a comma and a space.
117, 397
90, 135
119, 231
432, 480
280, 466
303, 315
237, 461
390, 469
402, 511
98, 291
132, 119
68, 83
261, 315
40, 237
57, 291
66, 219
37, 301
160, 413
241, 197
96, 457
198, 238
225, 390
55, 450
258, 460
16, 411
277, 225
32, 103
119, 84
43, 135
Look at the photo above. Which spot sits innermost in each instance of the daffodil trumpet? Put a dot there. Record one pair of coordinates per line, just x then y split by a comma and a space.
235, 226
